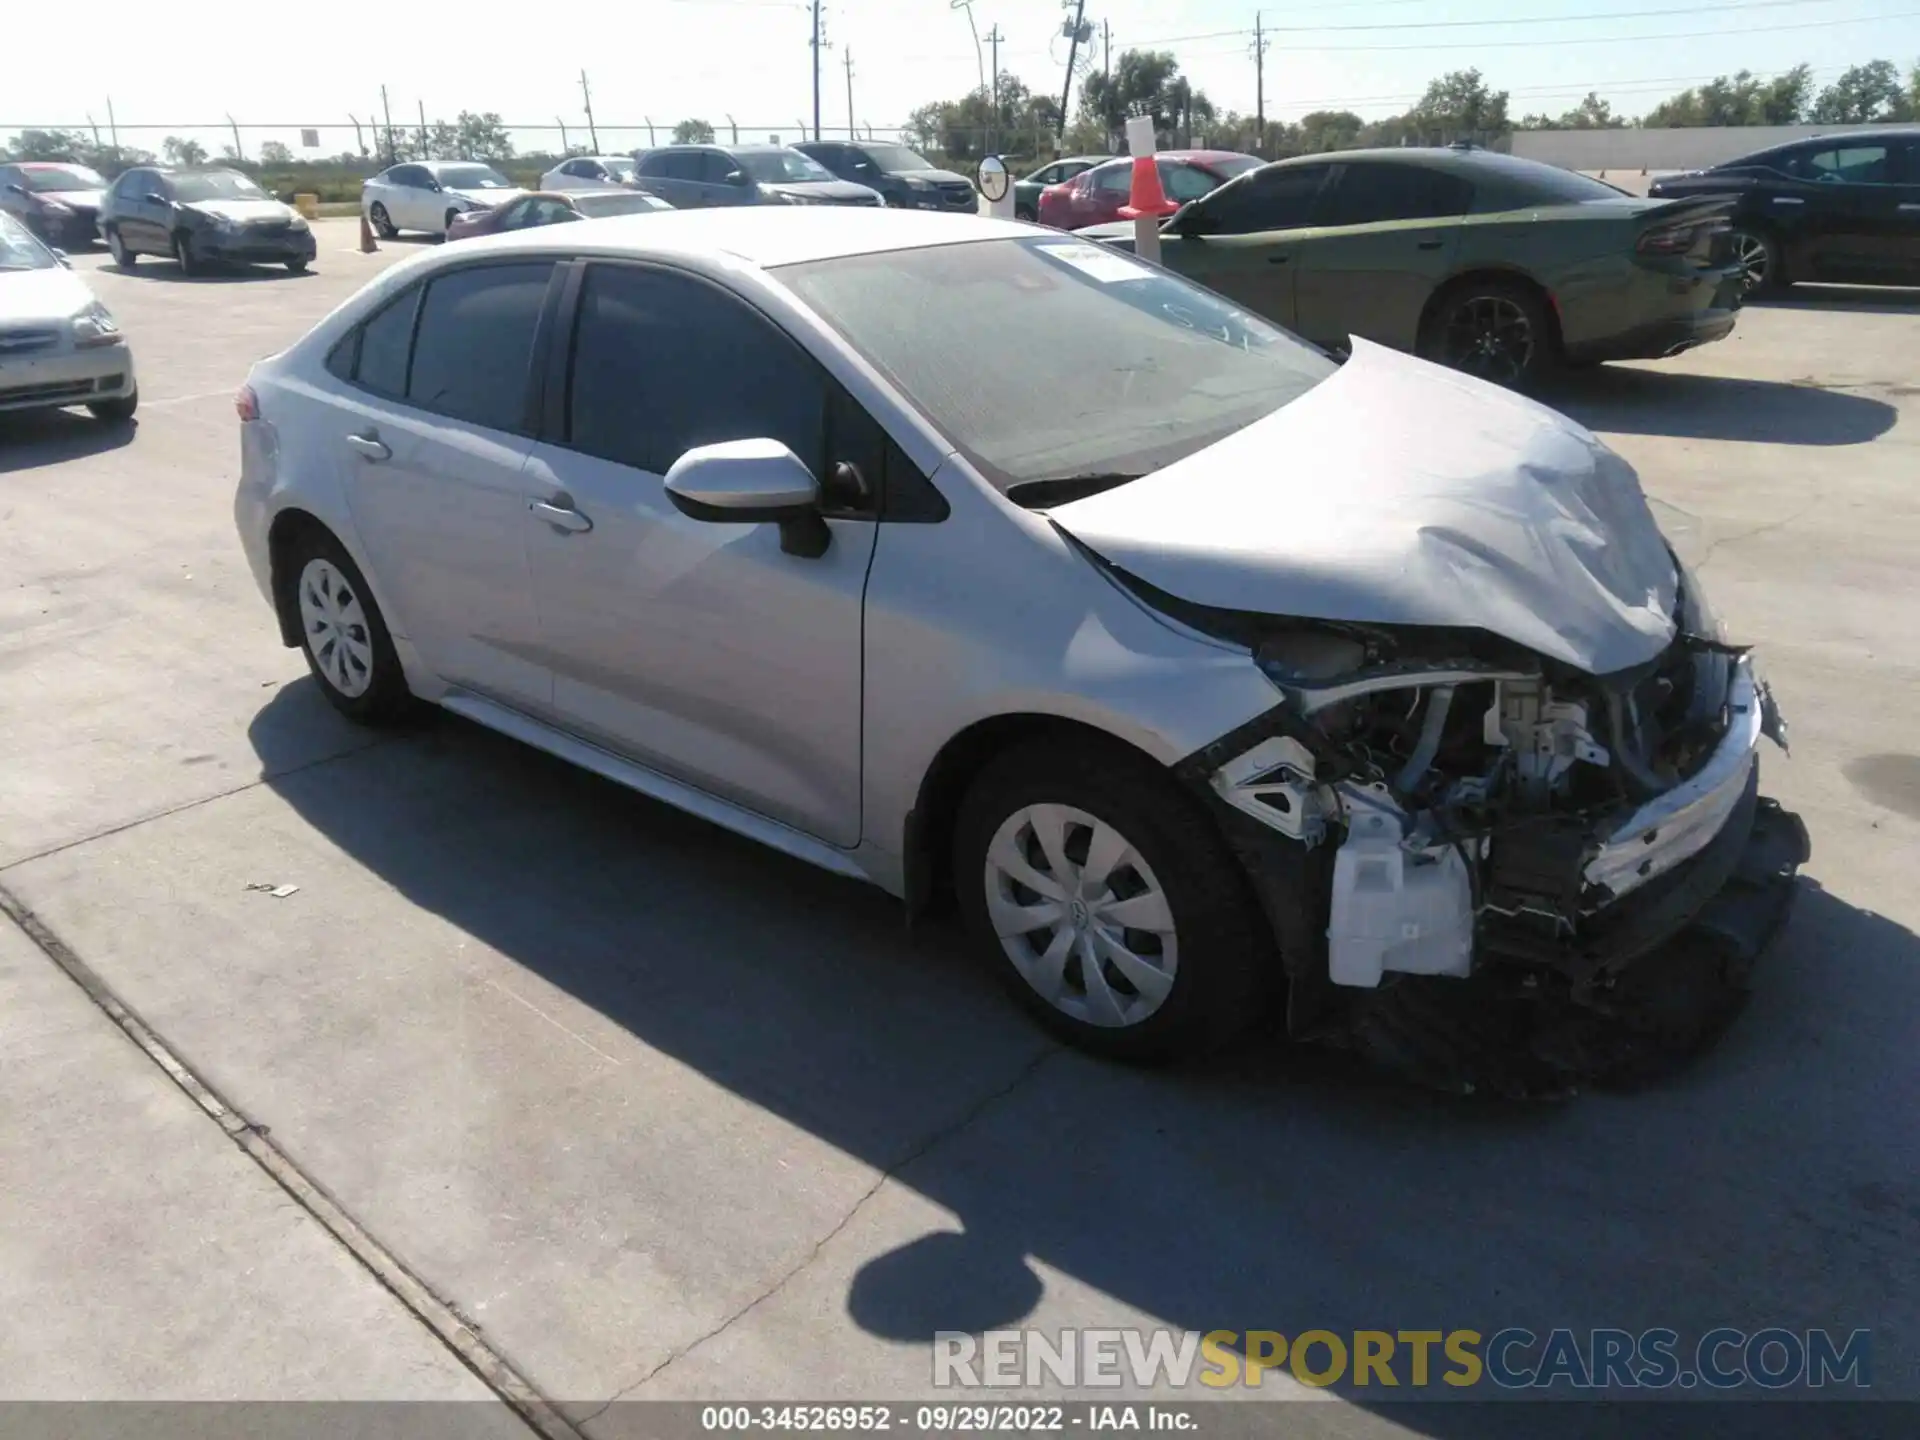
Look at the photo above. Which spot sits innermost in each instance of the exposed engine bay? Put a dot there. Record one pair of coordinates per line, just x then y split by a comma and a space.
1509, 855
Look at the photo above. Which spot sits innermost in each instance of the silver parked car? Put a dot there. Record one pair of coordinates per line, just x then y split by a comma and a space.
1202, 671
426, 195
59, 345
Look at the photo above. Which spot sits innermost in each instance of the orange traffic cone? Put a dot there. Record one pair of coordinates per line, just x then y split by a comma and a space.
367, 247
1147, 198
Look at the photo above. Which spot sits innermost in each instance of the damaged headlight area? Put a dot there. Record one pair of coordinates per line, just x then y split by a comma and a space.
1526, 875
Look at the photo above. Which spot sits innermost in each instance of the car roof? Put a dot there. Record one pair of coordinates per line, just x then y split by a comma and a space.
768, 236
1198, 157
1830, 137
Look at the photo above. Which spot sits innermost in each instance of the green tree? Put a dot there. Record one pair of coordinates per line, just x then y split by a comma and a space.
1739, 99
1330, 130
1459, 106
1142, 83
693, 132
1863, 94
183, 152
47, 145
272, 152
482, 136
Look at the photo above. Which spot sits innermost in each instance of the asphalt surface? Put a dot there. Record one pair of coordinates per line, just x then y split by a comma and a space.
659, 1114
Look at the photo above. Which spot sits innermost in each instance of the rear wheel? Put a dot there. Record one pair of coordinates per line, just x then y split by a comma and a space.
382, 222
1758, 255
1495, 330
1108, 904
342, 633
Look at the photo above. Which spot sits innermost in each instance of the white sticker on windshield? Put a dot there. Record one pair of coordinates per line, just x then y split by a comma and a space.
1098, 262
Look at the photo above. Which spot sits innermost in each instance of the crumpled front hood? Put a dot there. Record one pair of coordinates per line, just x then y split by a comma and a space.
243, 210
1399, 493
41, 297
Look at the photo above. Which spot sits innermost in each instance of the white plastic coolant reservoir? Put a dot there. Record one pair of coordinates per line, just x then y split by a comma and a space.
1395, 909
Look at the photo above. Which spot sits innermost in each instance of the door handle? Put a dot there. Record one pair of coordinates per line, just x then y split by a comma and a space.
1429, 245
1788, 200
370, 446
1278, 259
1909, 208
560, 517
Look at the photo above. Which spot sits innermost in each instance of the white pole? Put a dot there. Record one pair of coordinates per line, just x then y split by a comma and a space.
1146, 228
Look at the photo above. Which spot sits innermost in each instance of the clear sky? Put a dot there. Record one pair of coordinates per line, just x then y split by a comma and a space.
670, 59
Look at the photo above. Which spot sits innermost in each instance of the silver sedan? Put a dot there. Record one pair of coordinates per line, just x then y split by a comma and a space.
59, 345
1205, 674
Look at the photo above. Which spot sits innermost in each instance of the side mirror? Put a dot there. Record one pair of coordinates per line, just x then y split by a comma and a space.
154, 197
1193, 222
16, 189
61, 256
738, 177
751, 482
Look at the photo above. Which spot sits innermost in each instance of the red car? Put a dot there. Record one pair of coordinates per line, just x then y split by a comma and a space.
1095, 196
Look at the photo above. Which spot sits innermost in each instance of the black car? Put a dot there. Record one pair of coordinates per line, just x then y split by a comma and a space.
689, 177
903, 177
58, 203
1838, 207
201, 218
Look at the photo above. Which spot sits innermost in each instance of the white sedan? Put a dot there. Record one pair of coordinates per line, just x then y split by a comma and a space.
59, 345
425, 195
589, 172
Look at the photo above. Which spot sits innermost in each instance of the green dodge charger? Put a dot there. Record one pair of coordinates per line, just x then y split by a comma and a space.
1498, 266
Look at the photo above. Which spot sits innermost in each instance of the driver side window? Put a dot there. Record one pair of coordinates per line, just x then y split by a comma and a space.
1270, 199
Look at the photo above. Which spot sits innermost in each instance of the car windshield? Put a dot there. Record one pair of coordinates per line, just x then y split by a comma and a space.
216, 185
1138, 369
472, 177
897, 159
20, 251
628, 202
66, 177
781, 167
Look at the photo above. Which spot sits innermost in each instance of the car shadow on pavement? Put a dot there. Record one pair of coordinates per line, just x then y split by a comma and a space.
1860, 299
1773, 1182
170, 270
31, 441
1635, 401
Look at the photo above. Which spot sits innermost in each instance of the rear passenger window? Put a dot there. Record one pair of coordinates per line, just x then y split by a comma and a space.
380, 364
475, 344
1368, 194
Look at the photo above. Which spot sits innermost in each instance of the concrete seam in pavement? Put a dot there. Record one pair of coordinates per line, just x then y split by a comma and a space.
186, 805
447, 1324
946, 1132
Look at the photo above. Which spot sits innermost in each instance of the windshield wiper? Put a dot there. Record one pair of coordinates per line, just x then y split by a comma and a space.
1061, 489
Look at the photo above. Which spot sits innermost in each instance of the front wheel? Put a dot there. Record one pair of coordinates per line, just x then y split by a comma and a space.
1108, 903
117, 248
189, 258
1492, 329
343, 635
1758, 255
116, 411
297, 267
446, 223
383, 222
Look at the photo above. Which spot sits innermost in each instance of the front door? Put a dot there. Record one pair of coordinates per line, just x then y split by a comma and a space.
699, 649
1385, 239
431, 440
1244, 239
144, 218
1852, 209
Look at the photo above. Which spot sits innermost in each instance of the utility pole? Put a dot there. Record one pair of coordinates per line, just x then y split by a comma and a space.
816, 42
849, 60
113, 129
393, 155
423, 129
994, 37
586, 96
1259, 86
238, 153
1073, 53
565, 148
1106, 52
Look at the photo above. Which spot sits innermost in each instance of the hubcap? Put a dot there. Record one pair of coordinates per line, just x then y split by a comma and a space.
1081, 915
1490, 336
335, 627
1750, 252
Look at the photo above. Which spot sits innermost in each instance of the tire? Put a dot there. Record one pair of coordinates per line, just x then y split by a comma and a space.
1207, 938
1758, 253
117, 411
342, 632
297, 267
382, 222
446, 222
123, 258
190, 263
1026, 213
1496, 330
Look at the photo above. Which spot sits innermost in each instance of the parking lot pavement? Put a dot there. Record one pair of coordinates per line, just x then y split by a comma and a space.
663, 1114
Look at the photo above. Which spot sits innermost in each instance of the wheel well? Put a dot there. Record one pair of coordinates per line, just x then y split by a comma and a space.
1505, 277
928, 843
289, 528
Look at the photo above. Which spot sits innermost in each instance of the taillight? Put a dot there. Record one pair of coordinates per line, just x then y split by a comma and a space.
246, 404
1668, 240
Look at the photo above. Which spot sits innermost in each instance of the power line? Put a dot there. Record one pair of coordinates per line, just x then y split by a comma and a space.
1554, 19
1616, 39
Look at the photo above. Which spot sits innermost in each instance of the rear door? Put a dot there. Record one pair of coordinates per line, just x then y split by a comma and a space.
433, 432
1385, 237
1906, 210
1243, 239
663, 174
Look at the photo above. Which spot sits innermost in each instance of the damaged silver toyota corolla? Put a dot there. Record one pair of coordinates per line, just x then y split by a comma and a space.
1204, 673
